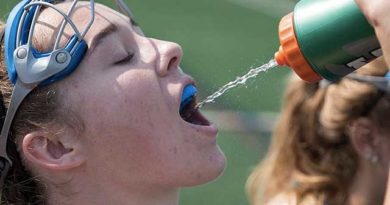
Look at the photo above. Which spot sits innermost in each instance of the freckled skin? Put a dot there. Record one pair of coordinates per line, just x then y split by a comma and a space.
134, 138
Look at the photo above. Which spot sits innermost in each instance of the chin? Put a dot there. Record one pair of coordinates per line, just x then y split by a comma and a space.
210, 171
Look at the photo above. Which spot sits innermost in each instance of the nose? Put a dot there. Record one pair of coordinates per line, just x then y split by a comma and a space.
170, 55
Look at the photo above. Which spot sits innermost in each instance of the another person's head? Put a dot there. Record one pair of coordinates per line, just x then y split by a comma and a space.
111, 130
330, 144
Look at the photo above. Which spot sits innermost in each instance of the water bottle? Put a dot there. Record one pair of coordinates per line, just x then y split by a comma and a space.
326, 39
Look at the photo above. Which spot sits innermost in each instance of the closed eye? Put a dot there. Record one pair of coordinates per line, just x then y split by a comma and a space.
125, 60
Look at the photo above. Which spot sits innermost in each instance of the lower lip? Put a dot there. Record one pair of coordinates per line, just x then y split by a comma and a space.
210, 130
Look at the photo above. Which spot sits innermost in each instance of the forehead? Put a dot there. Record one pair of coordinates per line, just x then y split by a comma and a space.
50, 21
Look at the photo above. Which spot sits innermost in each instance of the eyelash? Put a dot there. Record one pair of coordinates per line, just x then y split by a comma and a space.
125, 60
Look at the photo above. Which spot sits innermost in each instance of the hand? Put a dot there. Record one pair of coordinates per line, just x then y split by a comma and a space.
377, 13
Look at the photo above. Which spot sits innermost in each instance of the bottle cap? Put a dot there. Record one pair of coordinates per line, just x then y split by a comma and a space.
289, 53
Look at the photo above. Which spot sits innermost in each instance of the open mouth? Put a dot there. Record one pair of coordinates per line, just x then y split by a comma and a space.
188, 111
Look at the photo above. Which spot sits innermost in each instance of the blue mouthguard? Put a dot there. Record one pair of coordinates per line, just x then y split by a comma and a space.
189, 93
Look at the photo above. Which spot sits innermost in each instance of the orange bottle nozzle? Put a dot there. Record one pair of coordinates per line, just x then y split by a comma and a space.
289, 53
280, 57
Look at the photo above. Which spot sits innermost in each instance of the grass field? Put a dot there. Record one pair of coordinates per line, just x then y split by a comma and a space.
221, 39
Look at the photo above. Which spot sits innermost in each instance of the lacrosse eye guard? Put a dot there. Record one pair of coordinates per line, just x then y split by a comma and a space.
28, 68
27, 64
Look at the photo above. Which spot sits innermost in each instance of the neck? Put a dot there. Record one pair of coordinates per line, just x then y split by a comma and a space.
81, 192
365, 189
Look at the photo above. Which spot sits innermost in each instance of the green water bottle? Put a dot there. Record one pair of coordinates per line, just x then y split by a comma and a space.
326, 39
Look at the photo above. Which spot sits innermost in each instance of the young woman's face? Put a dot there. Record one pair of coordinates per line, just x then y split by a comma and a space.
127, 92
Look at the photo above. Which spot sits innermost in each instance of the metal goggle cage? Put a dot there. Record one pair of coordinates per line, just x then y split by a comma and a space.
28, 68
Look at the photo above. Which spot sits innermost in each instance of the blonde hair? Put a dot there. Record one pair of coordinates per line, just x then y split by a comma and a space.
310, 156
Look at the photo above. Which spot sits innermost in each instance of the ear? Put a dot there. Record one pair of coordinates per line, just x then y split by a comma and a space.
363, 134
53, 152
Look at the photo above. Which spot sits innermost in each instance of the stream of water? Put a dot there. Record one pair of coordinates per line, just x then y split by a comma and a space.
238, 81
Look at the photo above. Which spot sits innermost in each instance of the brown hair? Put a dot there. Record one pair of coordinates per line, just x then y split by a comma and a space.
310, 156
40, 110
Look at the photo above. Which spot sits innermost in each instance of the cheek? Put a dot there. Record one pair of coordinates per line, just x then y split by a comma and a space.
124, 95
128, 104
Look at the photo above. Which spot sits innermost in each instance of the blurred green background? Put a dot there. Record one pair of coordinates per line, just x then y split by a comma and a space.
222, 39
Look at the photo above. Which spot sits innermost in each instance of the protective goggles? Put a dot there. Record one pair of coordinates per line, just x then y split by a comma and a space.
28, 68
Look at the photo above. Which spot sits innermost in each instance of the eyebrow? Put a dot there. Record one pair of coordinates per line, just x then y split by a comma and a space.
104, 33
100, 36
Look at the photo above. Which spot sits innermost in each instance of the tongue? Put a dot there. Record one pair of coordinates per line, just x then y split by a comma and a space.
188, 93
